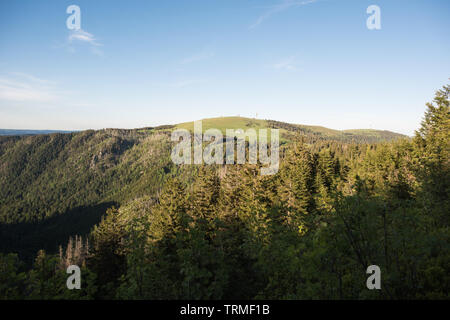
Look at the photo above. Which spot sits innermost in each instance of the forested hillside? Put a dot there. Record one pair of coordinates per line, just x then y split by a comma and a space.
57, 185
341, 201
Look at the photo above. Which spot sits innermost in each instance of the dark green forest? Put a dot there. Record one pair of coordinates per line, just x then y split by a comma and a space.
141, 227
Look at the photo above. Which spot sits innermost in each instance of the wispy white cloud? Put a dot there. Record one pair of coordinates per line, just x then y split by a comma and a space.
280, 7
24, 87
32, 78
288, 64
81, 36
27, 89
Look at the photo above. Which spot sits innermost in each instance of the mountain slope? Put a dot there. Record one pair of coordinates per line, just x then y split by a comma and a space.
56, 185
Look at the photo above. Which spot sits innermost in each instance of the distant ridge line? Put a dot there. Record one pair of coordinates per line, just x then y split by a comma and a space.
25, 132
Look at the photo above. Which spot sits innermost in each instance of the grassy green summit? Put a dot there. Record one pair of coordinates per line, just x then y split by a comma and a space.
287, 129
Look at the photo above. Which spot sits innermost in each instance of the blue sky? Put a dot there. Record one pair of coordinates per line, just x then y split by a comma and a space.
145, 63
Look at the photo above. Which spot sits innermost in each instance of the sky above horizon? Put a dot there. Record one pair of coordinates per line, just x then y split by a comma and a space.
145, 63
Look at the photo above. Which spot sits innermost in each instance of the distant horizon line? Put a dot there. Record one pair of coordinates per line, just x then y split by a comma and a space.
154, 126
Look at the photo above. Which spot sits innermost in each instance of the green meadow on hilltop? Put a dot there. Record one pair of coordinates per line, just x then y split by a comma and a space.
290, 132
